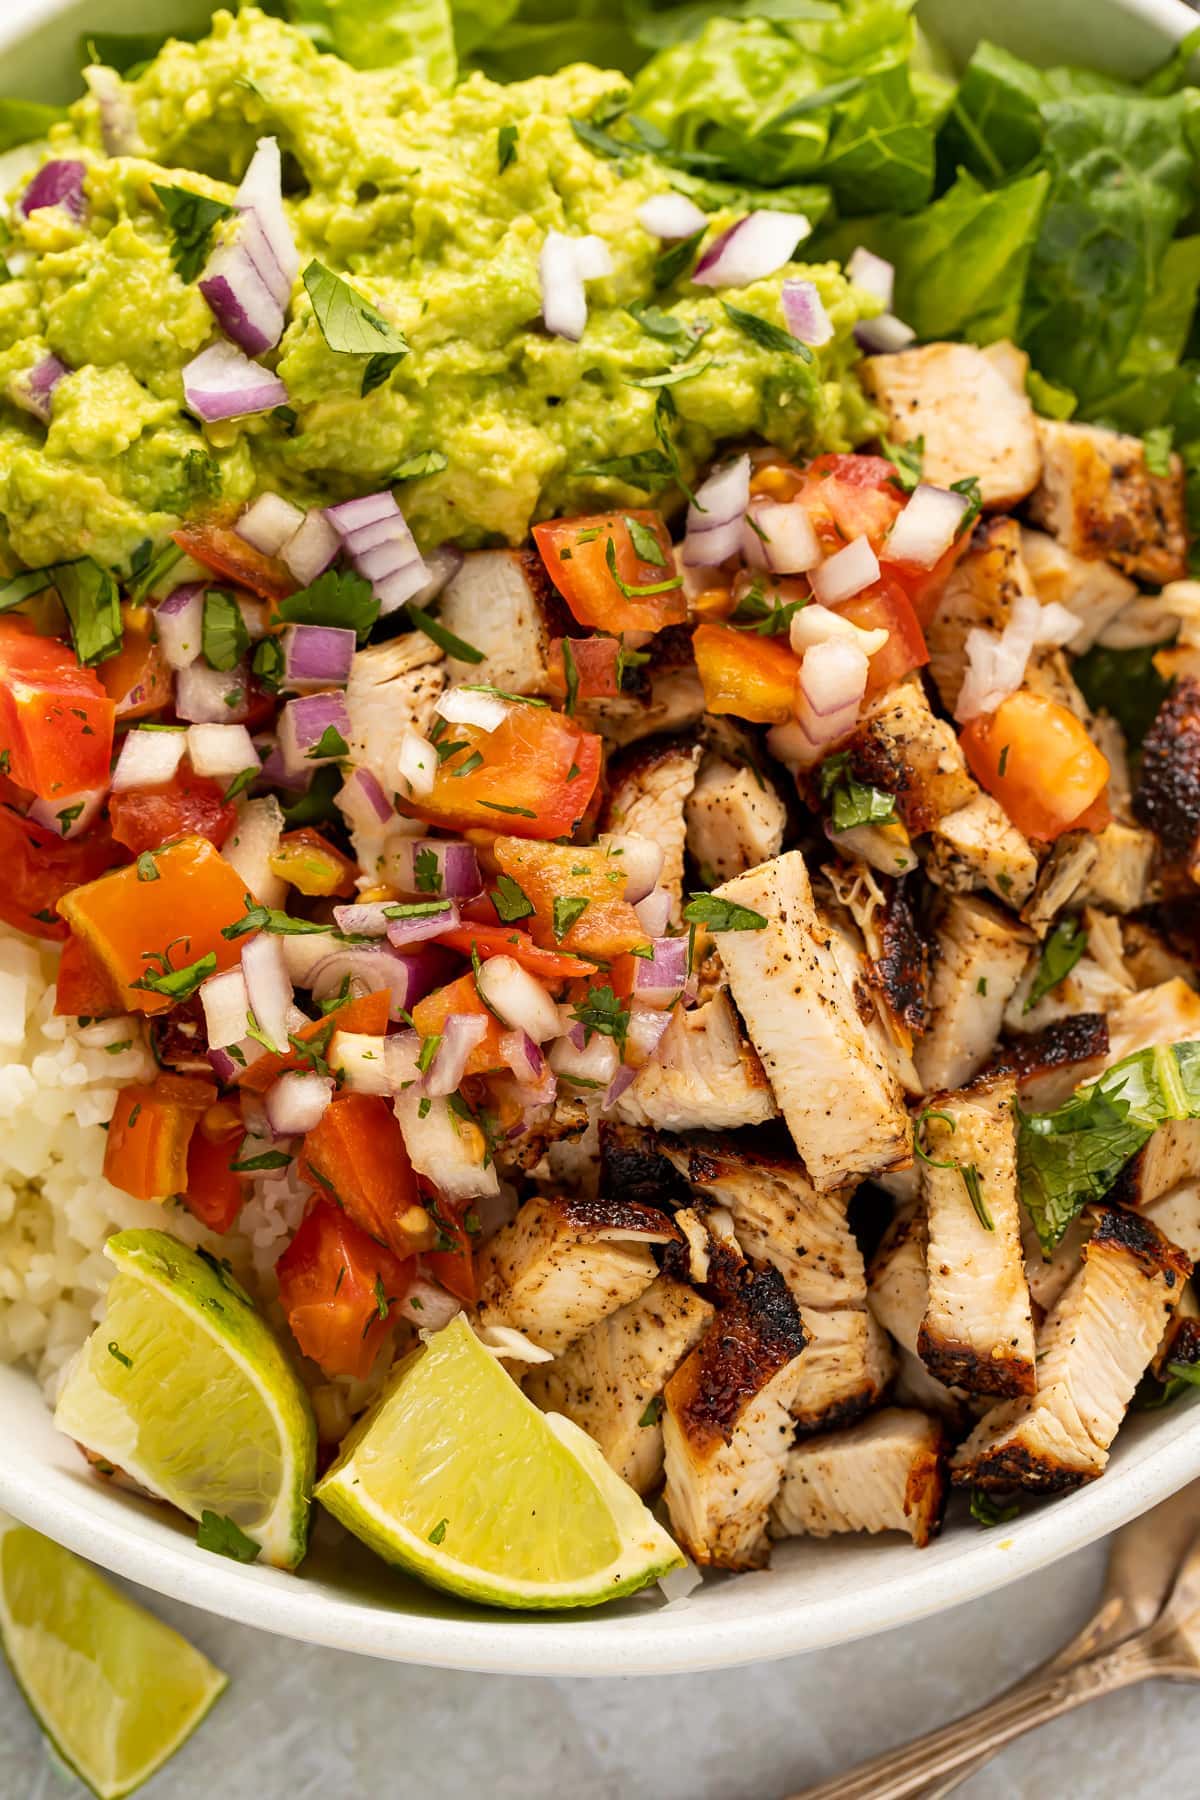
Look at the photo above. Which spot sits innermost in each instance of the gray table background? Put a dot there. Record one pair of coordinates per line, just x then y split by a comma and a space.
298, 1723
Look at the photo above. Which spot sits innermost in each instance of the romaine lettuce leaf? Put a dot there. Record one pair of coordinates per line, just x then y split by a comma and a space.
384, 34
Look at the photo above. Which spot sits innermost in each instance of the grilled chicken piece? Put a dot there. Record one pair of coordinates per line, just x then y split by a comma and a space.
887, 1473
735, 819
896, 958
1094, 591
703, 1075
1092, 1351
1120, 874
1072, 858
890, 1036
1167, 797
1177, 1216
668, 697
898, 1283
978, 593
1180, 1346
647, 797
610, 1379
392, 685
977, 1332
1049, 1278
902, 749
844, 1370
563, 1264
842, 1104
1090, 986
1150, 959
503, 603
1099, 499
963, 403
980, 954
727, 1427
978, 846
915, 1386
1169, 1158
1167, 1014
1049, 1065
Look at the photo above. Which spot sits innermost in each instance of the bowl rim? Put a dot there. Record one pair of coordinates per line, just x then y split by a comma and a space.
888, 1587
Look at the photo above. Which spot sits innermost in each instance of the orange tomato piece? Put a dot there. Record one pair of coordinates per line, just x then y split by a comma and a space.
56, 721
39, 868
367, 1015
506, 940
742, 673
83, 989
220, 548
146, 1152
885, 605
312, 865
851, 496
130, 923
1036, 758
580, 563
186, 806
462, 996
137, 679
595, 662
337, 1287
215, 1192
537, 777
357, 1154
550, 873
453, 1265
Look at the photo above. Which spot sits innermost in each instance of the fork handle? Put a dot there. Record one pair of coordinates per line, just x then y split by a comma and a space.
904, 1772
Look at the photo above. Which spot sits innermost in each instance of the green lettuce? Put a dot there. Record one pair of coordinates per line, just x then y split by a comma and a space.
415, 35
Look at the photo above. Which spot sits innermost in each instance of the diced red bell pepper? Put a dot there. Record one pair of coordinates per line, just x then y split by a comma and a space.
337, 1287
506, 940
536, 777
137, 679
83, 989
452, 1265
462, 996
220, 548
358, 1156
215, 1192
146, 1152
551, 875
186, 806
605, 578
40, 868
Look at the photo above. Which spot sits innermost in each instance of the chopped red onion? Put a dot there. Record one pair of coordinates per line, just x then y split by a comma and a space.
363, 802
401, 933
378, 542
269, 522
753, 248
316, 656
240, 299
624, 1077
205, 696
352, 517
221, 751
268, 988
443, 565
226, 1004
305, 951
371, 969
645, 1033
883, 335
518, 997
273, 774
805, 313
261, 191
467, 706
253, 241
460, 1035
148, 759
226, 1067
829, 690
927, 527
782, 537
296, 1103
523, 1056
313, 547
118, 121
845, 573
565, 264
179, 623
222, 383
57, 183
654, 912
67, 815
367, 918
303, 725
714, 518
34, 391
638, 858
671, 216
872, 274
659, 979
456, 875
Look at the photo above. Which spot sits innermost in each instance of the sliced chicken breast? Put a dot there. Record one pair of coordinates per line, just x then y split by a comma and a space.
974, 421
1092, 1351
1177, 1216
887, 1473
901, 748
735, 819
703, 1076
1167, 797
611, 1379
668, 696
1094, 591
1049, 1065
845, 1368
977, 1332
1166, 1014
978, 846
564, 1264
978, 594
842, 1103
979, 956
1098, 498
392, 685
1170, 1158
898, 1283
648, 795
727, 1425
502, 602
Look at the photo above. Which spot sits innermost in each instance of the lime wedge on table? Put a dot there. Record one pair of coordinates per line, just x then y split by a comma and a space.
183, 1386
459, 1478
115, 1690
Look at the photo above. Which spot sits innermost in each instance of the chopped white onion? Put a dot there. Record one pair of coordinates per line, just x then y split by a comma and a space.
996, 663
250, 849
221, 751
927, 527
416, 763
205, 696
671, 216
884, 335
427, 1305
780, 536
69, 815
565, 264
872, 274
654, 912
519, 998
467, 706
269, 522
638, 858
179, 624
148, 758
226, 1004
312, 547
804, 310
817, 625
449, 1151
829, 690
268, 988
296, 1103
845, 573
594, 1065
755, 247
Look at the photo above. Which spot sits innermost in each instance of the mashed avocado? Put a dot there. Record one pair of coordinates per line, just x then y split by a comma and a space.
398, 187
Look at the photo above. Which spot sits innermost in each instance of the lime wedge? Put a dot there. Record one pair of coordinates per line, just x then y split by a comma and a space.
459, 1478
184, 1387
115, 1690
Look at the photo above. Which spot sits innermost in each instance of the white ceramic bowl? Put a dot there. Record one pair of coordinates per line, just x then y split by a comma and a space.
816, 1593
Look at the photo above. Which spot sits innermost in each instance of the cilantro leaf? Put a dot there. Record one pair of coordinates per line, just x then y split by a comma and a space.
722, 915
1060, 952
421, 462
987, 1511
351, 326
908, 460
220, 1535
224, 636
567, 909
191, 219
672, 263
644, 469
602, 1012
511, 902
506, 147
636, 591
93, 608
176, 984
645, 543
338, 597
445, 640
767, 336
853, 802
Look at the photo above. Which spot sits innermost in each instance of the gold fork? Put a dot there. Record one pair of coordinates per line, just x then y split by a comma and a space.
1134, 1636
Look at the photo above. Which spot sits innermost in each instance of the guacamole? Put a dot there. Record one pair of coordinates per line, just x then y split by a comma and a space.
400, 188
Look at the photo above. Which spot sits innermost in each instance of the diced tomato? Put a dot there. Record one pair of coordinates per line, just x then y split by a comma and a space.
137, 679
506, 940
357, 1155
367, 1015
39, 868
312, 865
337, 1287
83, 989
554, 878
453, 1265
1036, 758
215, 1192
742, 673
186, 806
577, 557
220, 548
885, 605
132, 924
851, 496
146, 1151
924, 586
537, 777
462, 996
56, 721
595, 661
